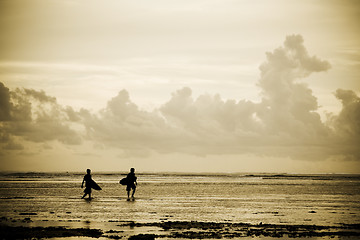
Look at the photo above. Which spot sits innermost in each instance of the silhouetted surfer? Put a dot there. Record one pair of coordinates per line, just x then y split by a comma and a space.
131, 183
89, 183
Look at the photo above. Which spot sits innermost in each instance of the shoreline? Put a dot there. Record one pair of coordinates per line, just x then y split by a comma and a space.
185, 207
174, 230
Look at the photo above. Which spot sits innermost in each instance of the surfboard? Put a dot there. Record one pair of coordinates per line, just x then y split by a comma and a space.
95, 186
123, 181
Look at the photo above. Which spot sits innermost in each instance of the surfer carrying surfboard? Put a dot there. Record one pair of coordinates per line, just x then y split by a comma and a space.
131, 183
89, 183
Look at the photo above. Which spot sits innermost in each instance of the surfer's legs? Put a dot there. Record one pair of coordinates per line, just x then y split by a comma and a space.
85, 195
86, 192
128, 189
132, 195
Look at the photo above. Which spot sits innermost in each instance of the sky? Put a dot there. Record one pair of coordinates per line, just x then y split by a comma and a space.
180, 86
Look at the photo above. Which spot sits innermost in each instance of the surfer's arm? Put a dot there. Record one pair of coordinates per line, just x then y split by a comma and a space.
82, 184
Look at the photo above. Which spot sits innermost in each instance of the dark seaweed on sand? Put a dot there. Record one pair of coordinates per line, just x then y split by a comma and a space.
7, 232
188, 230
213, 230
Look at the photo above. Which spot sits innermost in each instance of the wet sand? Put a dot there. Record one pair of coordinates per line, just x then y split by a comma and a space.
113, 229
201, 207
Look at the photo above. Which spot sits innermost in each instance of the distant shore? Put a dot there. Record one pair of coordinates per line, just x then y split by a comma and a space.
177, 229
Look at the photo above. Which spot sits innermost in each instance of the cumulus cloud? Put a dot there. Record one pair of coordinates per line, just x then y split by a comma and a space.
33, 116
4, 103
285, 123
288, 105
122, 124
347, 123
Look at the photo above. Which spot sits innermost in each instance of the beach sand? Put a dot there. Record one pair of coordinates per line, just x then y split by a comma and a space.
25, 228
171, 206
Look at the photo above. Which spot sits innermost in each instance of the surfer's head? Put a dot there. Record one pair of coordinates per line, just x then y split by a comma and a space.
132, 170
88, 171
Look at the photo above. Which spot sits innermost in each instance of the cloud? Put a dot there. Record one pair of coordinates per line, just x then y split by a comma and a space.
13, 146
121, 124
346, 124
4, 103
33, 116
288, 105
284, 123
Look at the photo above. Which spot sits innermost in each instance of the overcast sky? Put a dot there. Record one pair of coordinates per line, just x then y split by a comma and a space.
190, 85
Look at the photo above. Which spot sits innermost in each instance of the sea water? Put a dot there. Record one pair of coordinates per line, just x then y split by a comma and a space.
328, 200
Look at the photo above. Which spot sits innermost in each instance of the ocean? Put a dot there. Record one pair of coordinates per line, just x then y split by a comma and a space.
326, 200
